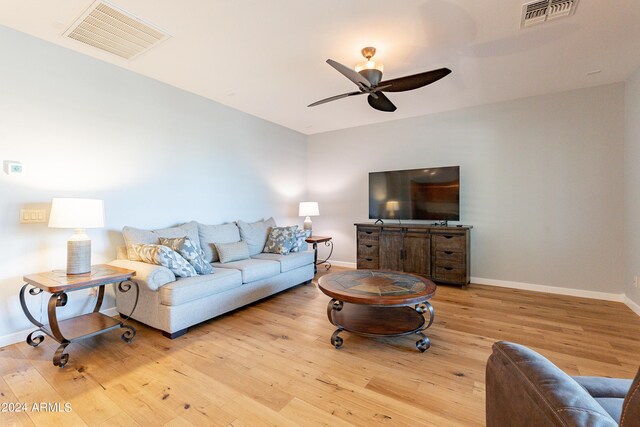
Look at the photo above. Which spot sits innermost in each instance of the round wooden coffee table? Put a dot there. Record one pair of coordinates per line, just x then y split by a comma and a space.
377, 303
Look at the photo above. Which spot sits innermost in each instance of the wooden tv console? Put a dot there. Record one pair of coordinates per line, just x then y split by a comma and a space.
440, 253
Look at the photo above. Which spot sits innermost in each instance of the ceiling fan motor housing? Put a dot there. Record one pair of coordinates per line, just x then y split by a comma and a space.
374, 76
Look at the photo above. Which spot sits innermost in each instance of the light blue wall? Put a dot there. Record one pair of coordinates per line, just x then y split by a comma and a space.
157, 155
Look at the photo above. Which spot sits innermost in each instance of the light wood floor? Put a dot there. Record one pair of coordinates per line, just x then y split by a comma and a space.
272, 364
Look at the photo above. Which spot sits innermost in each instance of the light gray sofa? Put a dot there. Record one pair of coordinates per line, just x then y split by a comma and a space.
174, 304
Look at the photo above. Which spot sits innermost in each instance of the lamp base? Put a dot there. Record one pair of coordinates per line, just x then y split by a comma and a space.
308, 226
79, 253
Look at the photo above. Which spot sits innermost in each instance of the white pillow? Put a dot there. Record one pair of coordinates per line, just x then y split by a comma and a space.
255, 234
235, 251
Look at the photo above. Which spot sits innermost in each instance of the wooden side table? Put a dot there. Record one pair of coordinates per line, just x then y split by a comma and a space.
314, 240
58, 284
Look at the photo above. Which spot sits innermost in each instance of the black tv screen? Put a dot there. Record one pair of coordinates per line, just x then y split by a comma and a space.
427, 194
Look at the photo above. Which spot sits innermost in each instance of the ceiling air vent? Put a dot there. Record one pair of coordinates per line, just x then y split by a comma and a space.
537, 12
114, 30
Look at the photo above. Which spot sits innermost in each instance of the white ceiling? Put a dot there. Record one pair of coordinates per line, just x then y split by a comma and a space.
267, 58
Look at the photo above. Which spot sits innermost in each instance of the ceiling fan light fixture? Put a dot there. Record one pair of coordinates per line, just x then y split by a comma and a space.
370, 65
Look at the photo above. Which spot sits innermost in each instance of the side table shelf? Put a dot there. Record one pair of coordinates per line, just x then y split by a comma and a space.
314, 240
58, 284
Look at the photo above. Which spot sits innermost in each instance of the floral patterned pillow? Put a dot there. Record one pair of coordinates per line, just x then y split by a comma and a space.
166, 257
299, 244
189, 251
281, 240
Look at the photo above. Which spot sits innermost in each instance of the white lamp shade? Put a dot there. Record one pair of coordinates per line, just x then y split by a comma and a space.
308, 209
76, 213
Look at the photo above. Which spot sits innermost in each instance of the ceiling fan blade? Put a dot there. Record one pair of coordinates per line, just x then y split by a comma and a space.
414, 81
333, 98
352, 75
382, 103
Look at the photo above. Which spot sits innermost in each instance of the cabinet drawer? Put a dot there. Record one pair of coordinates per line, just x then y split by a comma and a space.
448, 274
368, 236
449, 256
368, 263
449, 242
368, 250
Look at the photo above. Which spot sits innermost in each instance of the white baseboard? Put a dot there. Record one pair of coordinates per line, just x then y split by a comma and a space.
632, 305
606, 296
343, 264
550, 289
21, 336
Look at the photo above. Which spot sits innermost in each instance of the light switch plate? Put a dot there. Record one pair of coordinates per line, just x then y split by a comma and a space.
32, 216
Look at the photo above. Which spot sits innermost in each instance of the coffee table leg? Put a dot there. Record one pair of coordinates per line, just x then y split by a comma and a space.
424, 343
336, 305
336, 341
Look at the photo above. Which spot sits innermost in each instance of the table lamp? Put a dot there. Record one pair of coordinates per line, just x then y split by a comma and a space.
78, 214
308, 209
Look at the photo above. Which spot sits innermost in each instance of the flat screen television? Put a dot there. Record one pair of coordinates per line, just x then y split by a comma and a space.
415, 194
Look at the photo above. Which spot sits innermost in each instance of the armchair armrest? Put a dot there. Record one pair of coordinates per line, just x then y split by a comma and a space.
148, 275
525, 389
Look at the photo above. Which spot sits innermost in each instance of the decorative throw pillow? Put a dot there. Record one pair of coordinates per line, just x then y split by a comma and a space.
135, 236
189, 251
232, 251
166, 257
300, 244
212, 234
281, 240
255, 234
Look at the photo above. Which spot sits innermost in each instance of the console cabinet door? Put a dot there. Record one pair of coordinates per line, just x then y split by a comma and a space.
417, 255
391, 249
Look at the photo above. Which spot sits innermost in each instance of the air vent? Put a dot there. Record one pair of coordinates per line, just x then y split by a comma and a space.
538, 12
114, 30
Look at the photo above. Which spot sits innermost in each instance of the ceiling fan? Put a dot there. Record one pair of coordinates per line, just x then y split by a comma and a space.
367, 77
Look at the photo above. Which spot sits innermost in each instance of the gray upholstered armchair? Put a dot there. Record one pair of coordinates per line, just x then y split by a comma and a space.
525, 389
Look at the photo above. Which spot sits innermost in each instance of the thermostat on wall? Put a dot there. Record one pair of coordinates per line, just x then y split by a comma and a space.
11, 167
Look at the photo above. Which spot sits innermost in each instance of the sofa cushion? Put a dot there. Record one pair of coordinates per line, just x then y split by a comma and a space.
280, 240
290, 261
255, 234
605, 387
253, 269
235, 251
212, 234
138, 236
188, 250
192, 288
613, 406
166, 257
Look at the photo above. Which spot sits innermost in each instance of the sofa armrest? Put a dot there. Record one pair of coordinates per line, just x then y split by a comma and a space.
148, 275
525, 389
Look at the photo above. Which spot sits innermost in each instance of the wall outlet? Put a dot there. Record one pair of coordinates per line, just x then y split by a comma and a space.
12, 167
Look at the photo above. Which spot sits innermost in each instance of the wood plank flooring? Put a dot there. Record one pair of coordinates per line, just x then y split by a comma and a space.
272, 364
